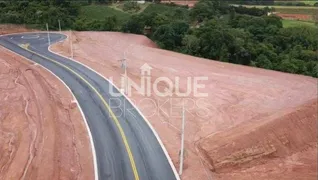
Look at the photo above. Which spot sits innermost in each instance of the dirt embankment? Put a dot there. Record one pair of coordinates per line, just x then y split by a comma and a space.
303, 17
12, 28
42, 133
249, 107
281, 135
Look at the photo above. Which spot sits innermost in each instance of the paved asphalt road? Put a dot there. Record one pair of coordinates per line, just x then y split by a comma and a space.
125, 146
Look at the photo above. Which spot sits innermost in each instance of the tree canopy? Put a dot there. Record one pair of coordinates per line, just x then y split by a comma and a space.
212, 29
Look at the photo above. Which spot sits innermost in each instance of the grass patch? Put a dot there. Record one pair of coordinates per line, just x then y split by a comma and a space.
163, 9
100, 12
120, 7
311, 3
295, 23
172, 12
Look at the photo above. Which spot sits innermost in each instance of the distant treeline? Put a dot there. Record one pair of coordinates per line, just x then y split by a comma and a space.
38, 12
215, 30
212, 29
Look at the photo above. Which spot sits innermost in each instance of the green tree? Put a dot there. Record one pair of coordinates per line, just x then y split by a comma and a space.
288, 65
191, 45
312, 68
207, 9
133, 25
224, 53
165, 36
263, 62
110, 23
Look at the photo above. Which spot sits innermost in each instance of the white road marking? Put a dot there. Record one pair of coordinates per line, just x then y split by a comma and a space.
145, 119
89, 132
30, 37
79, 107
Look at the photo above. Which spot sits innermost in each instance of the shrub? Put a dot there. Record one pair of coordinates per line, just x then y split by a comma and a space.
133, 25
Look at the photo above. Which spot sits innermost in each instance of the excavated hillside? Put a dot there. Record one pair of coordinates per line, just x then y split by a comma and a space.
282, 136
42, 132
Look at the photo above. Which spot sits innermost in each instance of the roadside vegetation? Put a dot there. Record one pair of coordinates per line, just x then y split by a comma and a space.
212, 29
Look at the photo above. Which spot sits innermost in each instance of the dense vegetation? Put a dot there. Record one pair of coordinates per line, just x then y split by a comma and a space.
215, 30
212, 29
38, 12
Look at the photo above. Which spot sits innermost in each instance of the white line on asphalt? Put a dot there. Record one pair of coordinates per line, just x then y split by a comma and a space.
92, 142
146, 120
80, 109
30, 37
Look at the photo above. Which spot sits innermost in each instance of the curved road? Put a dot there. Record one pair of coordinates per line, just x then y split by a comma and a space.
125, 146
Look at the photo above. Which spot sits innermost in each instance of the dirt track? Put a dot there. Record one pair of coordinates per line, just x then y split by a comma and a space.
239, 97
42, 133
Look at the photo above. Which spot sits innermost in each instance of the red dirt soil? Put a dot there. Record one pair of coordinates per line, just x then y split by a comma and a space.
12, 28
42, 135
303, 17
254, 124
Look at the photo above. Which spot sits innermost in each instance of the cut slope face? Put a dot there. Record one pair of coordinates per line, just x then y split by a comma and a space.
42, 133
274, 137
238, 96
12, 28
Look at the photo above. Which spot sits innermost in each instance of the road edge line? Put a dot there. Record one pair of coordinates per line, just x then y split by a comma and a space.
79, 107
145, 119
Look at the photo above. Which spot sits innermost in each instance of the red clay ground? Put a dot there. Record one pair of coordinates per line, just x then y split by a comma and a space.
254, 124
42, 132
11, 28
303, 17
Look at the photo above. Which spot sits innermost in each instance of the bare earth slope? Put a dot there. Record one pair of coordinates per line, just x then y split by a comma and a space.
254, 124
286, 137
12, 28
42, 132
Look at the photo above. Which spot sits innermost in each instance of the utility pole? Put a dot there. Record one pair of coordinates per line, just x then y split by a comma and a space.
59, 25
71, 41
124, 66
182, 141
48, 33
126, 78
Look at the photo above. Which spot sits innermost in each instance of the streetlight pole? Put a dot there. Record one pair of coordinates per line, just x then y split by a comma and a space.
71, 41
182, 141
124, 65
48, 33
59, 25
126, 78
